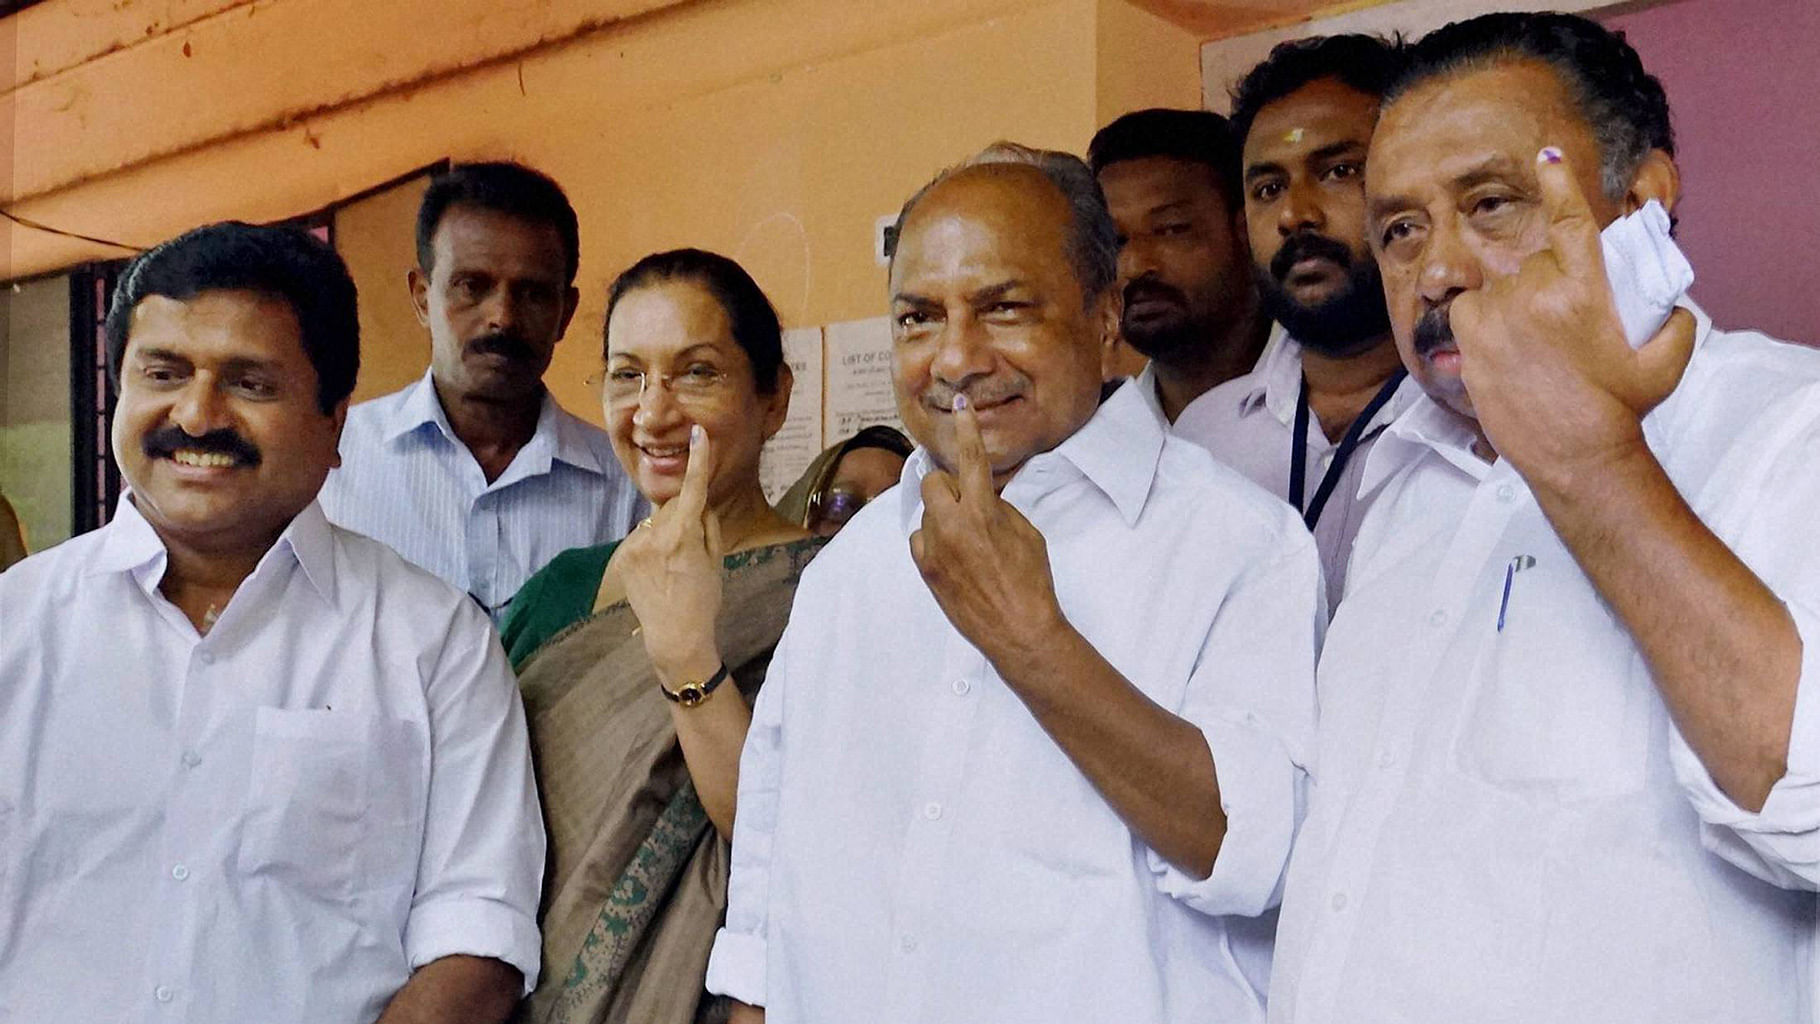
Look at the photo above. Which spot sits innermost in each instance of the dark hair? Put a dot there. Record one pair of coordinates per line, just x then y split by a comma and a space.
1093, 238
881, 436
753, 319
1197, 136
284, 263
1623, 104
502, 187
1364, 63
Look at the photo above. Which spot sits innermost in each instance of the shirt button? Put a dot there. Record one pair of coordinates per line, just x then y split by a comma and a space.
907, 943
932, 810
191, 759
961, 687
206, 658
163, 993
1338, 902
1506, 493
180, 872
1438, 617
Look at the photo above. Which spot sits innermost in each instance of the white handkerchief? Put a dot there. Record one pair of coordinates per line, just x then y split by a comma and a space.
1647, 272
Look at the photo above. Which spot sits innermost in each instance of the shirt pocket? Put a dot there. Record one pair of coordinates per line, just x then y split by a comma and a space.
1557, 706
309, 818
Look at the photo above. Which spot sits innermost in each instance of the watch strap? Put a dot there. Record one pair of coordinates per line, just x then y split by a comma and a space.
692, 694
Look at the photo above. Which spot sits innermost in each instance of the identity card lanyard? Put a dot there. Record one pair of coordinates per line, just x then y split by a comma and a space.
1298, 448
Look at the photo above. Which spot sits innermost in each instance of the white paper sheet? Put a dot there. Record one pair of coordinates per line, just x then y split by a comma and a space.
858, 378
790, 451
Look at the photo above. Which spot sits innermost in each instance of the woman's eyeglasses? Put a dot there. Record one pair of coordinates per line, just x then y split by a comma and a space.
625, 385
830, 509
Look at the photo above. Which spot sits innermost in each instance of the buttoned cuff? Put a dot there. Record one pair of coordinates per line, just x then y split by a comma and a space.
1781, 842
474, 927
1261, 795
736, 967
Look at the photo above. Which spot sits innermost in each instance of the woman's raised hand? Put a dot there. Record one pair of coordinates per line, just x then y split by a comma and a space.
670, 566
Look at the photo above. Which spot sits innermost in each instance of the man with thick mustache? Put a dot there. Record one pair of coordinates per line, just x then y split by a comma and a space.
1569, 754
253, 767
1300, 423
474, 472
1029, 750
1170, 179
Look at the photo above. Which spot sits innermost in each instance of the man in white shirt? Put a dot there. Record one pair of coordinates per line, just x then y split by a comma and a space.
1301, 422
1171, 181
474, 472
1030, 748
1569, 754
252, 767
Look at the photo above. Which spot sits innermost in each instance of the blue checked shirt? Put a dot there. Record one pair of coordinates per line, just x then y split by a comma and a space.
407, 481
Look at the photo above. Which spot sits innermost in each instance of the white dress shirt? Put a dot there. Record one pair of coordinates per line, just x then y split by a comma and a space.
274, 822
1505, 824
1249, 423
407, 480
912, 846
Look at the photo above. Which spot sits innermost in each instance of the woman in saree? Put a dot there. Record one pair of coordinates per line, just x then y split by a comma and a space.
638, 659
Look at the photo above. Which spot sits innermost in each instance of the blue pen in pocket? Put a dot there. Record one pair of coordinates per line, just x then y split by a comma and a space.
1511, 568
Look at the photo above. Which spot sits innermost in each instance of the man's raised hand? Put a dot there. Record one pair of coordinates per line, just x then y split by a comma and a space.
1553, 380
987, 567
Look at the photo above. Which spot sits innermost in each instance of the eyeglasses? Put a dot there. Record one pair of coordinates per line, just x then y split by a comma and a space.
626, 385
833, 507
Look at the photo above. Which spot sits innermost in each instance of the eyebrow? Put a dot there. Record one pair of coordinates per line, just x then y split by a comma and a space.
162, 354
1344, 146
1496, 167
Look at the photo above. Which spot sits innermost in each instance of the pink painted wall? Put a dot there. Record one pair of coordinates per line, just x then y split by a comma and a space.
1746, 103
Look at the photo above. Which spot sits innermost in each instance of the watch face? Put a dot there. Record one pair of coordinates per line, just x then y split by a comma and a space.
691, 694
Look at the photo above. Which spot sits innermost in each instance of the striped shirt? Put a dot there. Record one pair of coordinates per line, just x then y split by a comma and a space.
407, 480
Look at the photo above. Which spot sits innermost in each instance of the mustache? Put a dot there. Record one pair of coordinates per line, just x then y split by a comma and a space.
501, 343
1434, 330
940, 396
1308, 245
1151, 288
168, 440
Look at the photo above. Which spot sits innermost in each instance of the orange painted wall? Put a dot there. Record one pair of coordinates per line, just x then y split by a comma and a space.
776, 131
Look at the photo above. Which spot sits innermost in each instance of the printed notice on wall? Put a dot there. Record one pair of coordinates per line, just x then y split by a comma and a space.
859, 378
792, 448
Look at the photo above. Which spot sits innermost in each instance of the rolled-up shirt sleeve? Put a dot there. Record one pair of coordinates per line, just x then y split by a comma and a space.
1771, 533
1781, 842
481, 867
1252, 696
736, 967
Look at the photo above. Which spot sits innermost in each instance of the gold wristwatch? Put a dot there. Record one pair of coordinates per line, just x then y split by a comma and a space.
693, 694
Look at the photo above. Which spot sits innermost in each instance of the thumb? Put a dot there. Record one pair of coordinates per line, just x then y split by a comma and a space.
710, 528
1664, 357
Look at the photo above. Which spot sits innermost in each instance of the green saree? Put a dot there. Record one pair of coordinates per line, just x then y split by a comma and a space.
636, 878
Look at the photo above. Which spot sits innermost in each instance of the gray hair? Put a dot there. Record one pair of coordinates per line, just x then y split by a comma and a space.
1093, 238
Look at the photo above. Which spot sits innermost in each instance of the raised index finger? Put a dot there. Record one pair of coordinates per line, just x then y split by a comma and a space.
974, 469
693, 497
1573, 234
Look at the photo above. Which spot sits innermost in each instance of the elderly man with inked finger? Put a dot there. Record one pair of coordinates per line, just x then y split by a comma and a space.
1032, 744
1569, 754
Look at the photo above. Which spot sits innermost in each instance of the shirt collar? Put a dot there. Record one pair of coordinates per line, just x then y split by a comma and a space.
132, 545
1276, 382
559, 437
1117, 450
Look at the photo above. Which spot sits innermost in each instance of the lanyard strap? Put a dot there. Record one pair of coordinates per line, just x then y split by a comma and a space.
1298, 448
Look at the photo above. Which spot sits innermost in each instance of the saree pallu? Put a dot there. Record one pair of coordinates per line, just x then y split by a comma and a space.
636, 881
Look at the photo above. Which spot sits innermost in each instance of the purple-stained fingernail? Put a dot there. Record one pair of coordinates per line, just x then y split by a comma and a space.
960, 401
1549, 155
696, 434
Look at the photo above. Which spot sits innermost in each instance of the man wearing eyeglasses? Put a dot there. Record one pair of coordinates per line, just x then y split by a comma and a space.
474, 472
